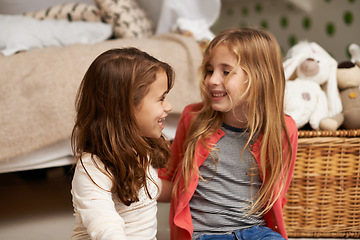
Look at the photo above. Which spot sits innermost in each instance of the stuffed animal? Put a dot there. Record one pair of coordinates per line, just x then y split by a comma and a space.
354, 50
311, 92
349, 82
348, 77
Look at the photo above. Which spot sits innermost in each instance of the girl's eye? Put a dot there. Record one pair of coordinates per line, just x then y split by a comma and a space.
209, 72
226, 73
163, 98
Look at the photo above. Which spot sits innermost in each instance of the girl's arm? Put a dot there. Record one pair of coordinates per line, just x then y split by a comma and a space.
94, 203
177, 152
166, 190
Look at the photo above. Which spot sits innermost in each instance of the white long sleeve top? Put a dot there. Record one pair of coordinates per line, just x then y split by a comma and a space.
100, 215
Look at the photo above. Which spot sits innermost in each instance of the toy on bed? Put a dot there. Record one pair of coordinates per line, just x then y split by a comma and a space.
311, 93
348, 77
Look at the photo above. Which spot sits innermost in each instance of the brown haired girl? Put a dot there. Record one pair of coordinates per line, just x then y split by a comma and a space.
234, 153
117, 141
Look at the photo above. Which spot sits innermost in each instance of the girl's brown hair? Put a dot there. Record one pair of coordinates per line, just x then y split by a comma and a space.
259, 55
105, 126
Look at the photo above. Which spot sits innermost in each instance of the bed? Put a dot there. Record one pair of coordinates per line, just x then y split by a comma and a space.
38, 83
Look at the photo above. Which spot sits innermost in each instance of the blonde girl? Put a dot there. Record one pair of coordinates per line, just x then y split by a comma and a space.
117, 141
234, 153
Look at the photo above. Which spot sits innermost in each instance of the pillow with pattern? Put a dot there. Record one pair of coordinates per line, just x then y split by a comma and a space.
128, 19
69, 11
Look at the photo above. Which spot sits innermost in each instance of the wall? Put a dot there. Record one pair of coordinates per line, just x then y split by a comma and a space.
333, 24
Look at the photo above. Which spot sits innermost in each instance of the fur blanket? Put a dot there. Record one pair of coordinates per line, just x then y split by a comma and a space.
38, 87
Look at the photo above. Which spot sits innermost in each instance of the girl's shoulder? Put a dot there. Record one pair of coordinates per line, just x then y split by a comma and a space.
88, 158
89, 171
90, 163
190, 110
188, 114
194, 107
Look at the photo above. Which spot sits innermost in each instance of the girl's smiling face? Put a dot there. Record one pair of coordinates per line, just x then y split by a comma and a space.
154, 108
227, 91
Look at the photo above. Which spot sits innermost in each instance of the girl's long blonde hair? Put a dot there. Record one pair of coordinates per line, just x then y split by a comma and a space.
105, 125
259, 55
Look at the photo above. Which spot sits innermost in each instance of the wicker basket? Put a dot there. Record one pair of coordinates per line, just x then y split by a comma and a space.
324, 196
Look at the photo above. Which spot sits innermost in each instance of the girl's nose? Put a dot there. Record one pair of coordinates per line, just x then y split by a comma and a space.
167, 105
214, 79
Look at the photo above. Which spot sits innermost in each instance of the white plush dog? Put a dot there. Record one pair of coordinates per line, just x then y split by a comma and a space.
311, 92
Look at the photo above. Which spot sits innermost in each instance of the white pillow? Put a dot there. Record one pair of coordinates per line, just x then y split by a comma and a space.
21, 33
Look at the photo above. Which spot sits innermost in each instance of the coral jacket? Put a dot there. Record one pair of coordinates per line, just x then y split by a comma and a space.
180, 217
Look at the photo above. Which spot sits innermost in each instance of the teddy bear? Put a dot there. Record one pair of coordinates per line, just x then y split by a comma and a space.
348, 77
349, 82
311, 91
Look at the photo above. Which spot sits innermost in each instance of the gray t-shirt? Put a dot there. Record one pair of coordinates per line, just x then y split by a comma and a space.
220, 203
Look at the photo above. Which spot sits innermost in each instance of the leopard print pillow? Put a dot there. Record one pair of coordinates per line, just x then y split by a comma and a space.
128, 19
69, 11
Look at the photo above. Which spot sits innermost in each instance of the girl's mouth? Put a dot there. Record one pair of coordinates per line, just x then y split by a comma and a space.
218, 94
161, 122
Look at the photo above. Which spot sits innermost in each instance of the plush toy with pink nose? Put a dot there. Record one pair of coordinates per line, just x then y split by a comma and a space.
311, 92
